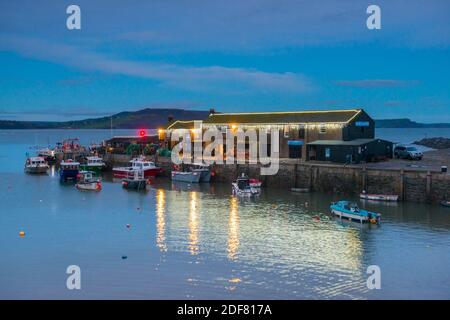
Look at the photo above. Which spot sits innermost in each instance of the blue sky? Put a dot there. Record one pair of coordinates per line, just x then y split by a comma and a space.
252, 55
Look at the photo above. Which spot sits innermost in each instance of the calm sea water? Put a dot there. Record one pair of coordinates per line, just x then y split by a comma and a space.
199, 242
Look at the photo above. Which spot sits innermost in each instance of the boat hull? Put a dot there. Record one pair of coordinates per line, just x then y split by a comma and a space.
96, 169
134, 184
68, 175
445, 203
248, 192
349, 216
190, 177
89, 186
379, 197
125, 172
36, 170
205, 176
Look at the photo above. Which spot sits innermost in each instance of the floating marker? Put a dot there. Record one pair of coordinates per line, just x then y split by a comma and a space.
128, 226
22, 233
124, 257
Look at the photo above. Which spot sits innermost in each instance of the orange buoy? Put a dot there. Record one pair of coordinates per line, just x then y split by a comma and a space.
22, 233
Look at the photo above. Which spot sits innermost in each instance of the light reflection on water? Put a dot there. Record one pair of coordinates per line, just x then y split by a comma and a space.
193, 224
233, 229
198, 241
160, 220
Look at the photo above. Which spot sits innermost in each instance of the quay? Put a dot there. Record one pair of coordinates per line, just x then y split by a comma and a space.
332, 151
413, 185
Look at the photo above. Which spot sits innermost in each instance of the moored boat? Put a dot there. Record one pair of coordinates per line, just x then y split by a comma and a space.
36, 165
68, 170
349, 210
148, 167
203, 169
255, 183
445, 203
93, 163
242, 187
186, 176
378, 197
86, 181
48, 154
135, 180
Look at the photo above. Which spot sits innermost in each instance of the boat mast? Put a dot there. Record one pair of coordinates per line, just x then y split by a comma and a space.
111, 126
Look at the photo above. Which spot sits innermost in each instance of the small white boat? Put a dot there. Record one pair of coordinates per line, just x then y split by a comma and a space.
378, 197
36, 165
86, 181
148, 167
186, 176
242, 187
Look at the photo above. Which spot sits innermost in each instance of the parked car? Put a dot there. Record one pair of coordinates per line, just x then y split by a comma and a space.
407, 152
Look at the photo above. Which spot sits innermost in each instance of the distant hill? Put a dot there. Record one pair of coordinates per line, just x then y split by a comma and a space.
146, 118
154, 118
407, 123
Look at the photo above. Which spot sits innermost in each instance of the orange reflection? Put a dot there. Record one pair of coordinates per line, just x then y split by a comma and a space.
233, 230
160, 220
193, 223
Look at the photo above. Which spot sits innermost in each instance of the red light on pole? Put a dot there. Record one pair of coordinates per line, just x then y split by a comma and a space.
142, 133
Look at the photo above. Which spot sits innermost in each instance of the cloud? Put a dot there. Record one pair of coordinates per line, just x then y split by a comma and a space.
233, 25
377, 83
216, 79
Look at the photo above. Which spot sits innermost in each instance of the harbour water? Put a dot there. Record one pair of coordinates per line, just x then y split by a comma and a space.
199, 242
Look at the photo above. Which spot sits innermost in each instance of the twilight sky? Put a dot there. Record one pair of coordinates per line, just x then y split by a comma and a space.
247, 55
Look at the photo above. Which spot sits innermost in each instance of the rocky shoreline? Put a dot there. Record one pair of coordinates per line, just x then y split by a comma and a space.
434, 143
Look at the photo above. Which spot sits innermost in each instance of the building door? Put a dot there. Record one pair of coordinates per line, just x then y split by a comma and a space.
295, 149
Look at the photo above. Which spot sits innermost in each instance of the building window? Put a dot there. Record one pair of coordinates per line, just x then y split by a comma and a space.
327, 153
322, 128
286, 131
301, 133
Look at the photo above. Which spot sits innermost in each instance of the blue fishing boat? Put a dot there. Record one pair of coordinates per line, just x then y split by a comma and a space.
349, 210
68, 170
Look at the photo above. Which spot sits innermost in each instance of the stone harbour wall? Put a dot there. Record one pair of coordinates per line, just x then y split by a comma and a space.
410, 185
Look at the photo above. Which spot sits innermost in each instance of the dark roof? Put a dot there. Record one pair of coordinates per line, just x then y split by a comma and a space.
179, 124
355, 142
283, 117
131, 139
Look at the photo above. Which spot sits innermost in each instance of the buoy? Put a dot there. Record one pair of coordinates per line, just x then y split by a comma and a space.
22, 233
316, 218
128, 225
124, 257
